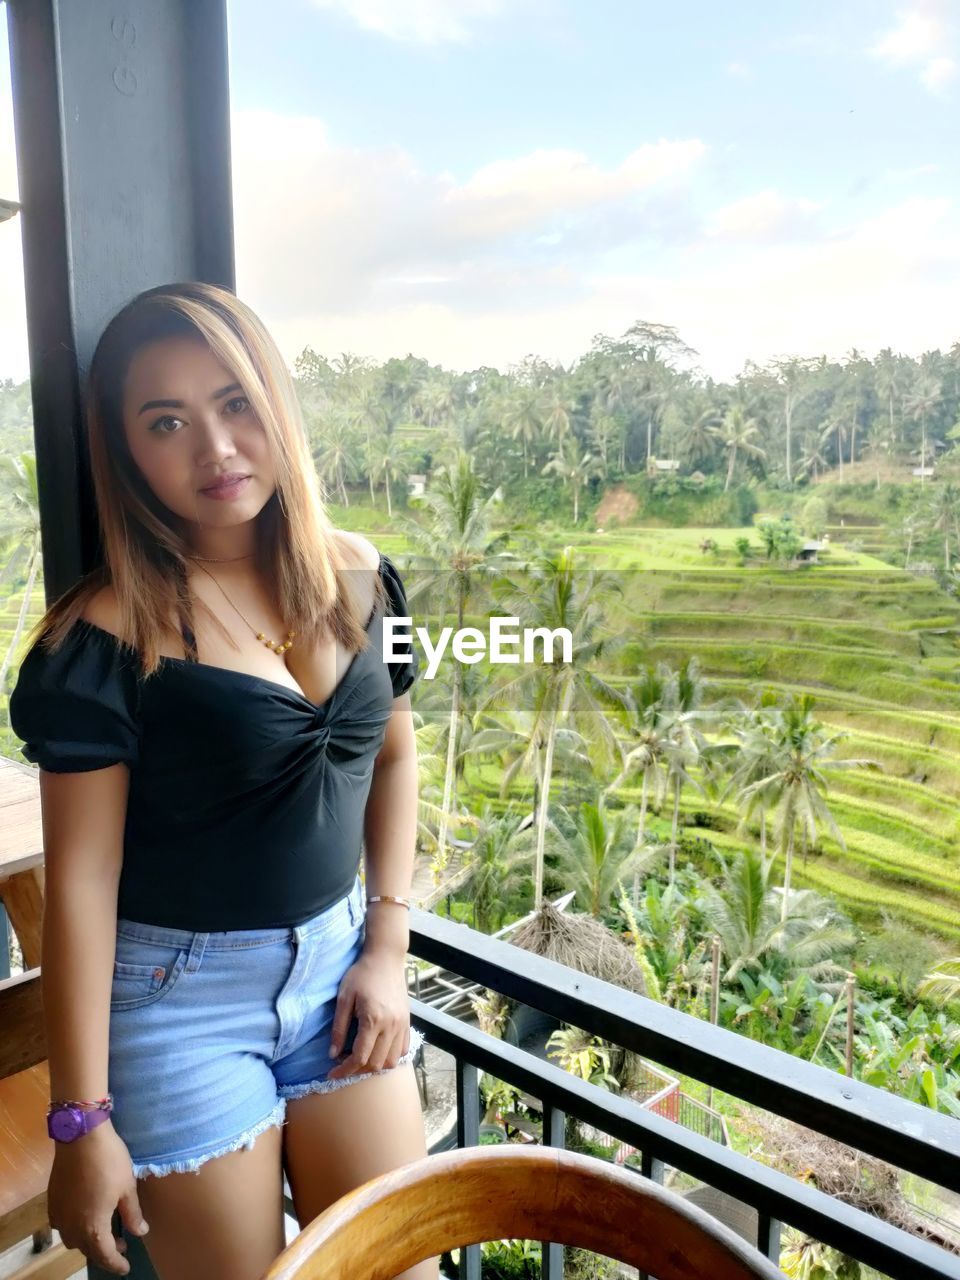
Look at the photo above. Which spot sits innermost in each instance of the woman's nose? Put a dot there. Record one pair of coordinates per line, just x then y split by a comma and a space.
216, 441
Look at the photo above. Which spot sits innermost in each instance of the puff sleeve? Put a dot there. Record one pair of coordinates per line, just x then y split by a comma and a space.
78, 709
402, 674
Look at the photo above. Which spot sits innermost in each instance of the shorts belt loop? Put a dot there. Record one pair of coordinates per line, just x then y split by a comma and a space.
356, 902
196, 951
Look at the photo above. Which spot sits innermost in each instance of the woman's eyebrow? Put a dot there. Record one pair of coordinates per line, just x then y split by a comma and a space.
178, 404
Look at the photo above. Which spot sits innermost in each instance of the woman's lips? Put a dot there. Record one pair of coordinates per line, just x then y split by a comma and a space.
226, 491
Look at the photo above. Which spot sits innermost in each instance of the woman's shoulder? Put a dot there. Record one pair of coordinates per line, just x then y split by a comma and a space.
357, 551
103, 609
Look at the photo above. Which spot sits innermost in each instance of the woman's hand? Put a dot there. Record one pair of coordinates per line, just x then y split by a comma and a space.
91, 1178
374, 990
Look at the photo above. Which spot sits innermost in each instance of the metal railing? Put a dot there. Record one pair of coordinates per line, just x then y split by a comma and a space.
910, 1137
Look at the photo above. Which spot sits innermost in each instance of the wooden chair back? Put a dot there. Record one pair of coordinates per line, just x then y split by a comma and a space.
466, 1196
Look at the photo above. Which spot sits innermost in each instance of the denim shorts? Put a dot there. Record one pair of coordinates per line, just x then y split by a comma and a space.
212, 1033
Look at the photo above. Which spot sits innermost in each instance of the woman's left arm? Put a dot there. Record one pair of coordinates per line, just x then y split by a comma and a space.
374, 989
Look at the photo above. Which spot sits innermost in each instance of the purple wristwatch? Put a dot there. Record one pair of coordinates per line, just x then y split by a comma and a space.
66, 1124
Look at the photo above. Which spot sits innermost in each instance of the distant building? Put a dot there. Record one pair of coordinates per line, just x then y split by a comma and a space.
809, 551
922, 471
416, 486
661, 466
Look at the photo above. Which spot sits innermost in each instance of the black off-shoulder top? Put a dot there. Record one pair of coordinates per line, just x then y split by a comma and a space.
246, 799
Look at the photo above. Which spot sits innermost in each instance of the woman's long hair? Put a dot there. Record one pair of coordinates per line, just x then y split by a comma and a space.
298, 551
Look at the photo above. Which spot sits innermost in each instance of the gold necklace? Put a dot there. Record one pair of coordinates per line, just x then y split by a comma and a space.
271, 644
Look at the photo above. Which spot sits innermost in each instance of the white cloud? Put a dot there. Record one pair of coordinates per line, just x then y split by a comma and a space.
418, 21
762, 216
922, 39
739, 70
362, 249
938, 73
916, 37
512, 195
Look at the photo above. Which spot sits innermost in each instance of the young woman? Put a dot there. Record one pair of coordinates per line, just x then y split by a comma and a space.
220, 731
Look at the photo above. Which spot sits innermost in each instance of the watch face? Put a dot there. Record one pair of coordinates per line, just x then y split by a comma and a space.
65, 1125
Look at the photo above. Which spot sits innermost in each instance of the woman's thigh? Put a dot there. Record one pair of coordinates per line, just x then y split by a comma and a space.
334, 1142
224, 1222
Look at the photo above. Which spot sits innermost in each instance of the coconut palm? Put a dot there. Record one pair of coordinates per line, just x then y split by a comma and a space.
801, 758
738, 434
552, 597
522, 418
385, 461
942, 983
923, 399
755, 729
336, 454
596, 850
499, 865
747, 914
686, 715
455, 547
944, 512
575, 467
645, 746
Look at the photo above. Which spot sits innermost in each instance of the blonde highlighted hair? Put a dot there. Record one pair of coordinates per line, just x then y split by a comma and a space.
299, 553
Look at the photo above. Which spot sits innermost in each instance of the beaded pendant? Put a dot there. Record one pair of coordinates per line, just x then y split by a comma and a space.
277, 648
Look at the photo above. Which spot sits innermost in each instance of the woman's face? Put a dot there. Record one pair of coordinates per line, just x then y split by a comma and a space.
187, 422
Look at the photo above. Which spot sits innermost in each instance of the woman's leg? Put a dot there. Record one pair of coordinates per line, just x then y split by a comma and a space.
337, 1140
224, 1222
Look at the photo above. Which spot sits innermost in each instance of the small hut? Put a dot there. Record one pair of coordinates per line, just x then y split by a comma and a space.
587, 945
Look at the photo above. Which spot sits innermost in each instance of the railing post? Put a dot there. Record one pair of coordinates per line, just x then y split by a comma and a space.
652, 1168
554, 1135
768, 1237
4, 943
468, 1135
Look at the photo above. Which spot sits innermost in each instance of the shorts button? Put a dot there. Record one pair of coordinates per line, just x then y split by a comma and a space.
158, 973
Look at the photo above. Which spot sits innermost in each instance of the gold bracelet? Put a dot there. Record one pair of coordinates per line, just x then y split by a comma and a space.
389, 897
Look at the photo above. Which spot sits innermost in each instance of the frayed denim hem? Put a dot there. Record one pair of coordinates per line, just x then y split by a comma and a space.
291, 1091
246, 1140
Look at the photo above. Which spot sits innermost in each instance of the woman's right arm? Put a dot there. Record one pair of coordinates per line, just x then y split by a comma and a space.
83, 816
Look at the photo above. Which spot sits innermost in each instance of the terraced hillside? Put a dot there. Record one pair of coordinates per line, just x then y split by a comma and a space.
880, 652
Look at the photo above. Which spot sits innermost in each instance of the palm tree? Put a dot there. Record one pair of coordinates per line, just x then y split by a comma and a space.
942, 983
802, 933
647, 741
737, 432
685, 714
801, 757
596, 851
556, 411
522, 418
336, 455
923, 400
756, 758
575, 467
887, 377
20, 530
945, 517
455, 541
499, 865
557, 599
386, 462
835, 423
697, 441
812, 458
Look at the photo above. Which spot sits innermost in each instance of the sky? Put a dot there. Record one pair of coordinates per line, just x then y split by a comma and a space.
474, 181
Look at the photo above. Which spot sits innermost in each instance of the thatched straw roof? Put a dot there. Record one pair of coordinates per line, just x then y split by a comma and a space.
582, 943
587, 945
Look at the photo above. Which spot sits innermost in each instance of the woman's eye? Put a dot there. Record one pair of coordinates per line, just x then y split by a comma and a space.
239, 400
159, 422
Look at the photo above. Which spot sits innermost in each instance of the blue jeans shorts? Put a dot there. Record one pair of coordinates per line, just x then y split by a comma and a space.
212, 1033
